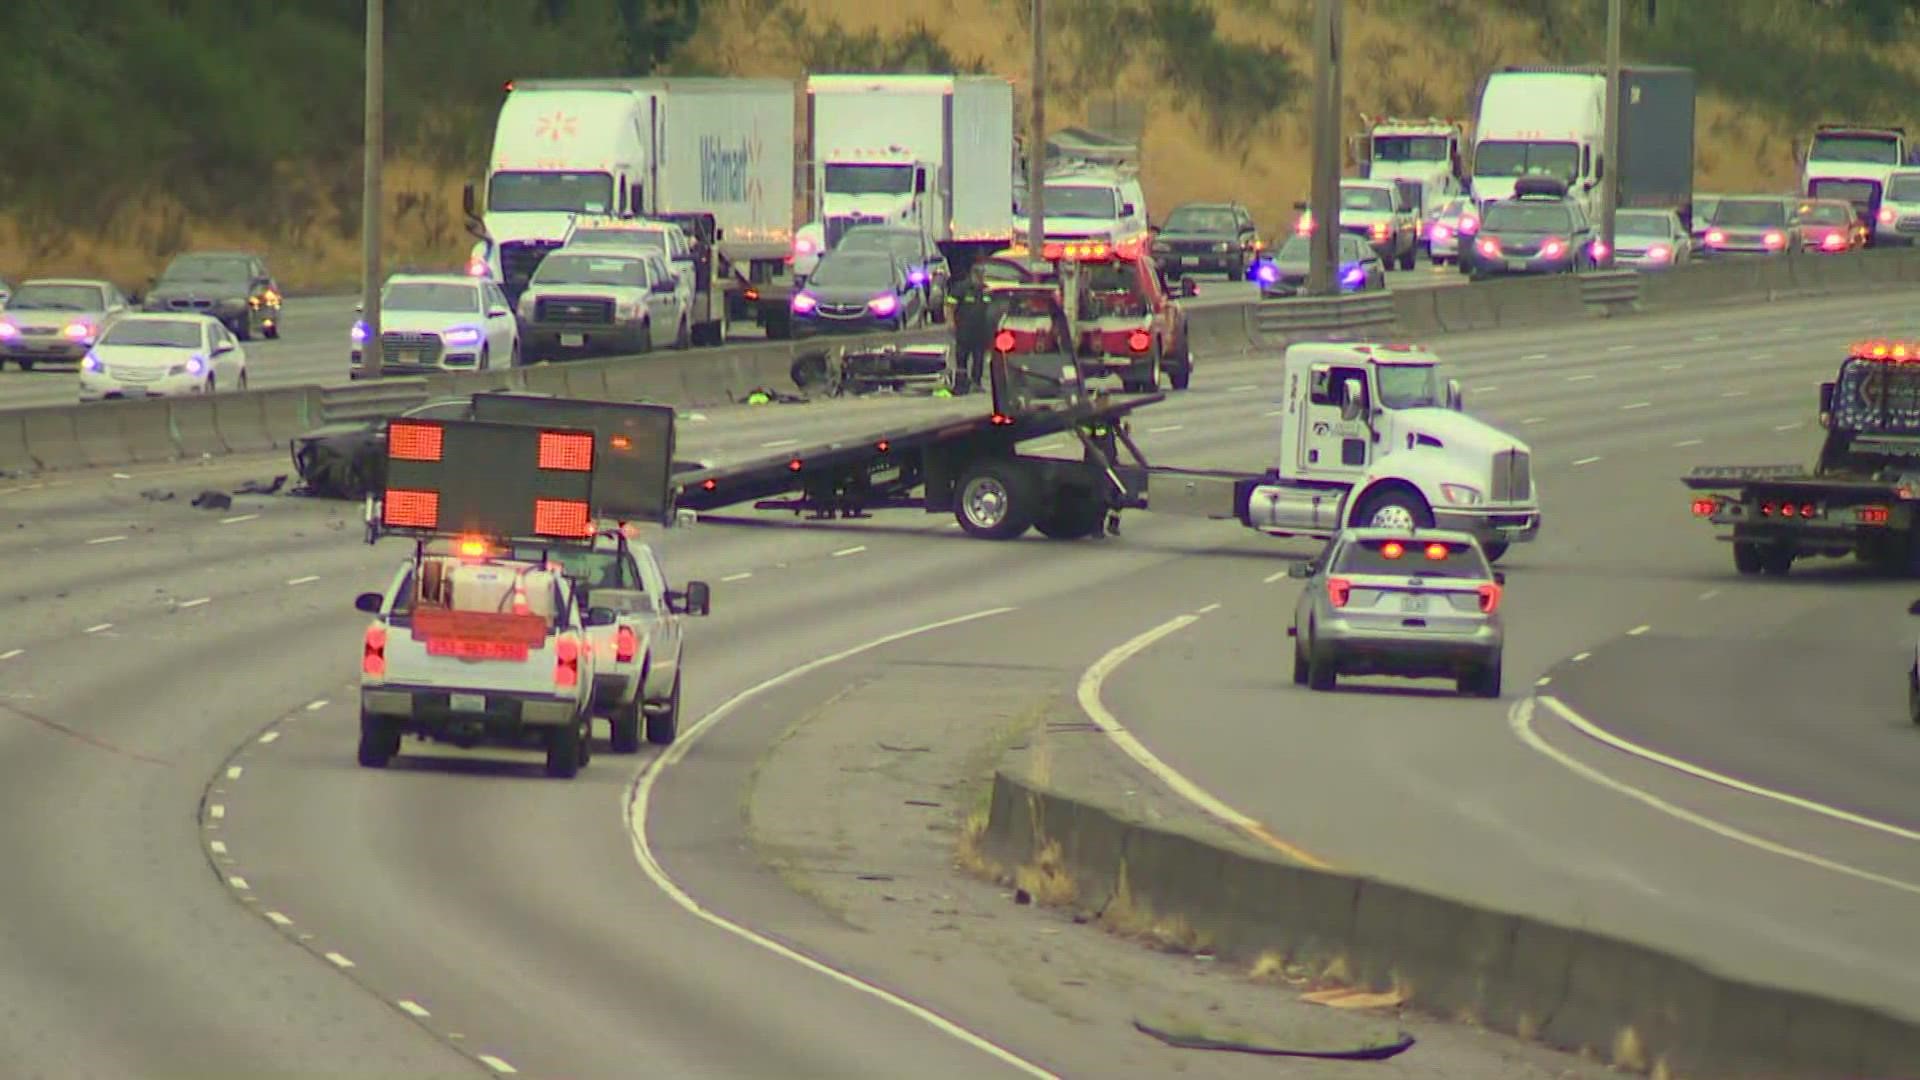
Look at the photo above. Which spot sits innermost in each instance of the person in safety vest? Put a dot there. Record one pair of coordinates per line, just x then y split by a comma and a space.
972, 329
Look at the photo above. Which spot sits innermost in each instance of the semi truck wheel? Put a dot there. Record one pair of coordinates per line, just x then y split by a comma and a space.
995, 500
663, 724
563, 752
1777, 562
1747, 557
379, 740
624, 737
1394, 508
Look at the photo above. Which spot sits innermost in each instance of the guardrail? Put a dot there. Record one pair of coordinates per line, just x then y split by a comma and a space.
112, 433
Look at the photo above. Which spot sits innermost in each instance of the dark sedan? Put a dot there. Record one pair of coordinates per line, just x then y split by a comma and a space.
1216, 238
860, 292
1532, 235
1360, 267
231, 286
926, 267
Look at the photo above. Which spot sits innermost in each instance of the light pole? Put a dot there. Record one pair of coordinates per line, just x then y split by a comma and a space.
1037, 139
1324, 206
1610, 154
370, 197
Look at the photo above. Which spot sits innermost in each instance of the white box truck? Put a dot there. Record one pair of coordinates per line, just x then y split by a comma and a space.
933, 151
715, 155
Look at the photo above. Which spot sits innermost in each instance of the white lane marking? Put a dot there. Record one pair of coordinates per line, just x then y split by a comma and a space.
1789, 427
1485, 390
106, 539
1520, 719
637, 807
11, 653
413, 1009
97, 629
696, 417
1688, 442
233, 771
1638, 630
1577, 657
196, 602
1594, 731
1760, 356
854, 550
218, 847
1587, 460
339, 961
1671, 367
216, 811
316, 704
1165, 428
742, 576
1094, 679
778, 443
1535, 356
1621, 348
238, 518
122, 476
1534, 420
1208, 609
1581, 378
1636, 405
1277, 575
1542, 680
1276, 412
269, 736
496, 1064
278, 919
1706, 337
308, 580
1242, 389
238, 882
1733, 393
1710, 594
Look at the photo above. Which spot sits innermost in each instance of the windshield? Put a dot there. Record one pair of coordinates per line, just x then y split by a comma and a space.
1628, 224
869, 179
594, 569
1082, 202
1410, 386
1412, 558
1453, 208
57, 298
571, 192
165, 333
1196, 219
1751, 213
1394, 148
1515, 159
1298, 250
1904, 189
1865, 149
1878, 398
1365, 199
646, 238
558, 269
1823, 214
856, 268
1527, 218
902, 246
211, 269
422, 296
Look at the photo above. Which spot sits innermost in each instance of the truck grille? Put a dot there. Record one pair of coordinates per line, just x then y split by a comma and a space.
1512, 476
838, 227
1192, 247
519, 259
189, 305
573, 311
402, 347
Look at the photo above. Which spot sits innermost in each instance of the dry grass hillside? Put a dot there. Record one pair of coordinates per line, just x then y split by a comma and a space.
1404, 57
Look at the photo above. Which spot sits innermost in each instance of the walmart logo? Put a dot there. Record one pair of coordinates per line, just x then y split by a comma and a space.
724, 170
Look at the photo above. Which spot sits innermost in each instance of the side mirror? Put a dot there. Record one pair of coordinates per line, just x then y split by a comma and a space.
1456, 398
467, 200
665, 285
1500, 578
1189, 288
222, 349
499, 313
1127, 209
1353, 401
699, 598
1300, 570
368, 602
601, 616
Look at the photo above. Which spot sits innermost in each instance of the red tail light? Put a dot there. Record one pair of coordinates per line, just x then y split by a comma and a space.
1553, 248
1490, 594
1489, 247
1469, 225
1439, 232
1870, 515
1774, 240
566, 662
1833, 241
477, 267
373, 654
1599, 249
1003, 341
1138, 341
1705, 507
625, 644
1715, 236
1338, 589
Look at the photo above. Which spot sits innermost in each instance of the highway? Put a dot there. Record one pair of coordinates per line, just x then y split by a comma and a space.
182, 693
314, 346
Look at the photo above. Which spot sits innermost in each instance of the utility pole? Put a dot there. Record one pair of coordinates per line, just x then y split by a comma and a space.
1324, 206
370, 197
1037, 138
1610, 183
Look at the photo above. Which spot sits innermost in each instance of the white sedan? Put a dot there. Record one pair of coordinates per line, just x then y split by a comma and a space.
163, 355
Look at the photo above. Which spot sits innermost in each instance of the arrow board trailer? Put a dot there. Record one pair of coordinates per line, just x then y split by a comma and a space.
633, 448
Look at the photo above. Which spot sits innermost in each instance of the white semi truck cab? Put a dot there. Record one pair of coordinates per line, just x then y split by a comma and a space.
1852, 162
1424, 156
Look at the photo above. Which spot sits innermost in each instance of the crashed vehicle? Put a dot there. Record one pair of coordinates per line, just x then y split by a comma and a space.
347, 460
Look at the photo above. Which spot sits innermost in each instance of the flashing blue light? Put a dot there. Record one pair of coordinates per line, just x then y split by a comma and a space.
1355, 277
1266, 273
916, 276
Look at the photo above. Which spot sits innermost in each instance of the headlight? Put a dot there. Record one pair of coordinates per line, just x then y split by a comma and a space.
90, 362
1460, 494
8, 330
359, 333
79, 331
463, 337
195, 365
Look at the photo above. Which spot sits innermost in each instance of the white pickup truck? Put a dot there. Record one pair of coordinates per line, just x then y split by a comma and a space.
472, 648
633, 621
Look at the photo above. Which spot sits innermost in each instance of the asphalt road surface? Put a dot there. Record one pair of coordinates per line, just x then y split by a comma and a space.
315, 345
460, 907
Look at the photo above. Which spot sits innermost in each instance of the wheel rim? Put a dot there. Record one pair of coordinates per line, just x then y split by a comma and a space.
985, 502
1392, 516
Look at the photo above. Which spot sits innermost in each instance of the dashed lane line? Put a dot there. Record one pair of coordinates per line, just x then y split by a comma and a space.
1277, 575
269, 736
496, 1064
1688, 442
1534, 420
741, 576
854, 550
1248, 388
413, 1008
1535, 356
195, 602
238, 518
106, 539
234, 771
316, 704
1638, 630
11, 653
1581, 378
1588, 460
98, 629
1636, 405
778, 443
1165, 428
1621, 348
339, 961
308, 580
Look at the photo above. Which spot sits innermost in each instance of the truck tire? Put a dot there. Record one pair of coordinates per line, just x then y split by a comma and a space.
563, 752
379, 740
1394, 508
1181, 373
663, 724
995, 500
1321, 673
1075, 514
1747, 557
624, 728
1494, 549
1777, 562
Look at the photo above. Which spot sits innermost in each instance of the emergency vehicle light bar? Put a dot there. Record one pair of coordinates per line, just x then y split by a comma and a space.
1886, 352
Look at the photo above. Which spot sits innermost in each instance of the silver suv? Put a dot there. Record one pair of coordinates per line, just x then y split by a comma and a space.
1899, 218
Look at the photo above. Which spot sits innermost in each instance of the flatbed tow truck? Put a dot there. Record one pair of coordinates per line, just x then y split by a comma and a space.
1859, 498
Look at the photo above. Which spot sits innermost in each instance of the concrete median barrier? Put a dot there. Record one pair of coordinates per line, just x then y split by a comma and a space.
194, 431
1727, 278
1464, 309
288, 411
1220, 331
51, 437
1642, 1008
14, 457
542, 379
144, 436
241, 422
1415, 312
590, 383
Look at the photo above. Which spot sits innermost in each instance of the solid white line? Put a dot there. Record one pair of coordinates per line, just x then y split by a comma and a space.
1637, 405
1277, 575
1165, 428
638, 806
1638, 630
496, 1064
269, 736
1276, 412
238, 883
1208, 609
195, 602
1688, 442
1241, 389
1587, 460
238, 518
1088, 691
1543, 680
308, 580
316, 704
106, 539
1520, 719
339, 961
1581, 378
216, 811
413, 1009
97, 629
1710, 594
1789, 427
778, 443
11, 653
1535, 356
742, 576
854, 550
233, 771
1733, 393
278, 919
1534, 420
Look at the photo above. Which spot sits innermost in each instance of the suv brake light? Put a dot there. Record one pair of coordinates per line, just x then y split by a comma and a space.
373, 653
566, 663
1338, 590
1490, 594
625, 645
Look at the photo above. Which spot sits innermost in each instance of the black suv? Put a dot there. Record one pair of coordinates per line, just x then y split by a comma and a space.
1217, 238
1538, 231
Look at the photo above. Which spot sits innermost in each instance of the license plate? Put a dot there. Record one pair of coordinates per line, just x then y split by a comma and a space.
469, 703
572, 341
1187, 261
1516, 264
408, 356
1413, 603
477, 650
